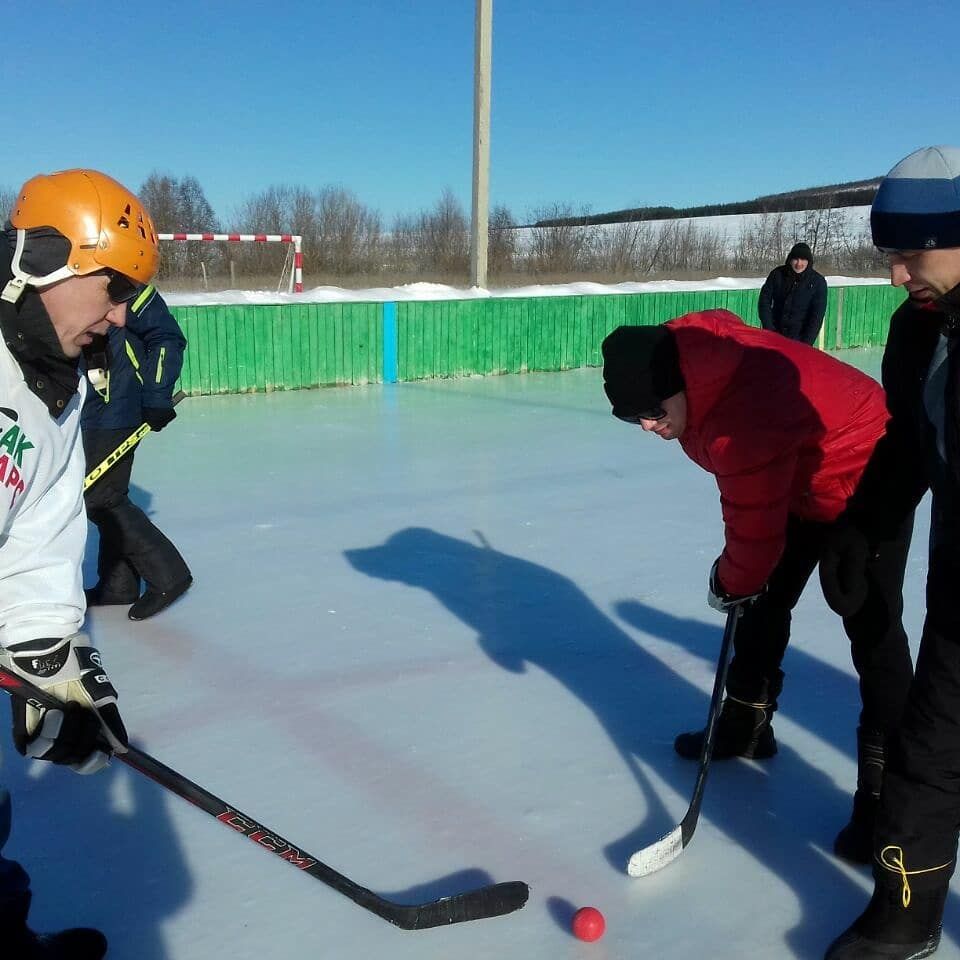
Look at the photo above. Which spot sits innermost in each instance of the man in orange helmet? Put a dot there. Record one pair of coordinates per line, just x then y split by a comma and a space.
77, 247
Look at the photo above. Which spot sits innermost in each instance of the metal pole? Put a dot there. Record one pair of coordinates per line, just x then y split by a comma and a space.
480, 221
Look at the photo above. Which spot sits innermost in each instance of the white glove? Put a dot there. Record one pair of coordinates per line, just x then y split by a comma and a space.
69, 669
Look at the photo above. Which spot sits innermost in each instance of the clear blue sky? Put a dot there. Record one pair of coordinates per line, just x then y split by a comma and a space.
602, 104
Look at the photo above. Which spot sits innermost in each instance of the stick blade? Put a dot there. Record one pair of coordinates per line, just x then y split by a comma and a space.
493, 901
657, 855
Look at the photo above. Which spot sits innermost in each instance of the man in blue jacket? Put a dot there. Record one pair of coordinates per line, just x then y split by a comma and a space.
133, 370
793, 300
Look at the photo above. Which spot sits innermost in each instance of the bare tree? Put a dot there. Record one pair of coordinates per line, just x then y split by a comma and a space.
180, 206
762, 244
159, 196
502, 242
443, 238
560, 247
619, 247
401, 246
858, 254
8, 196
344, 240
278, 209
348, 234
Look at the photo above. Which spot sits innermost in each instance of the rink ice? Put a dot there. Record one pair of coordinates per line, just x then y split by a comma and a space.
443, 634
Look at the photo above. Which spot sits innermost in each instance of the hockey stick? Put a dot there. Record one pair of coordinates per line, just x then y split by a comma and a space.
671, 845
111, 458
490, 901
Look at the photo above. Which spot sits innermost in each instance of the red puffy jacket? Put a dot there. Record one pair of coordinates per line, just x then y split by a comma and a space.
784, 428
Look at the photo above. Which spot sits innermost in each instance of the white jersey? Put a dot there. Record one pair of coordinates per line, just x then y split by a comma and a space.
43, 525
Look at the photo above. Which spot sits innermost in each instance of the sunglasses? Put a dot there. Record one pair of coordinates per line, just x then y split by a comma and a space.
120, 288
654, 413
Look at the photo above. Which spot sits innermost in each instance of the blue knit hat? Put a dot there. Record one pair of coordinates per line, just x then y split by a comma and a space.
918, 204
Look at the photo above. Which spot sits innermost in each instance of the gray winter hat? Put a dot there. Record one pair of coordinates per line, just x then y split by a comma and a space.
917, 206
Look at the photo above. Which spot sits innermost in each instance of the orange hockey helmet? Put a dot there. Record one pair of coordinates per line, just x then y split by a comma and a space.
106, 225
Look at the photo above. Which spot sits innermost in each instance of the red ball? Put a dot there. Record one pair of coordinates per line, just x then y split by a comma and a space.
588, 924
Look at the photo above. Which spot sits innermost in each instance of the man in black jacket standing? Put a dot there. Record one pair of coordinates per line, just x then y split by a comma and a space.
793, 299
916, 221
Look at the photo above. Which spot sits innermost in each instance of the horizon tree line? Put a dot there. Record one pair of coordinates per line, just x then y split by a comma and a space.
346, 242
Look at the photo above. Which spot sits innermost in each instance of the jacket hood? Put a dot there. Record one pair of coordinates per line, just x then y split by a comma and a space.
709, 333
30, 336
800, 251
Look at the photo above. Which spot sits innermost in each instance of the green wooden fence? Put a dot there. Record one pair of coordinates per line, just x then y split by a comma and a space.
241, 348
246, 347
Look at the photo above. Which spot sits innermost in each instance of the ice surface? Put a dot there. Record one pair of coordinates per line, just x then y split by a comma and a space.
443, 634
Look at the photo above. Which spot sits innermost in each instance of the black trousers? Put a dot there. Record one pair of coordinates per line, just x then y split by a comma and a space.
920, 800
131, 547
878, 642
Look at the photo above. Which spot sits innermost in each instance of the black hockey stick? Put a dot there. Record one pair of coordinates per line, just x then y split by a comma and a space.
489, 901
671, 845
111, 458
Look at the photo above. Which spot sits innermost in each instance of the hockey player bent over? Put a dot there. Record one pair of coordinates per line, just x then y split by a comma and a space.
787, 431
77, 247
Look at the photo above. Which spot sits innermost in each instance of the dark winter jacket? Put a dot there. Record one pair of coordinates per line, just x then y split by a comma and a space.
785, 429
793, 304
911, 458
145, 358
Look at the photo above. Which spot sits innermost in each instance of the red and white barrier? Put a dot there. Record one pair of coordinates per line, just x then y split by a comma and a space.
293, 238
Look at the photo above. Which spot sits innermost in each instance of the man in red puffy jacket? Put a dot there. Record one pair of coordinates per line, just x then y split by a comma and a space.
787, 431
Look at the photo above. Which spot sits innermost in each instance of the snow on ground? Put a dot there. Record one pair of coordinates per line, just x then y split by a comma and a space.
439, 291
442, 634
850, 221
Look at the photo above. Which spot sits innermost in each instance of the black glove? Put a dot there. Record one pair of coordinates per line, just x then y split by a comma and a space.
157, 417
843, 568
719, 599
89, 724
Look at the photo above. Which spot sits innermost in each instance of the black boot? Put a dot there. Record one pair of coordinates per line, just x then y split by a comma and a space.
98, 597
744, 725
887, 930
117, 581
855, 841
153, 601
19, 942
146, 551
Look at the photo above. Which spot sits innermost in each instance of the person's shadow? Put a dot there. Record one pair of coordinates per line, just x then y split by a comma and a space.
100, 851
525, 614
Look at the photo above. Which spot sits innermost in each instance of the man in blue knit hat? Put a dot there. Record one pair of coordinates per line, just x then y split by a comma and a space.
915, 220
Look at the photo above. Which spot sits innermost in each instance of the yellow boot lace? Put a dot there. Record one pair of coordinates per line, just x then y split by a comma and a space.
891, 858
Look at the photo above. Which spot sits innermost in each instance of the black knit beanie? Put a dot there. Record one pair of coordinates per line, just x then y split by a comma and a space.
641, 368
800, 251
